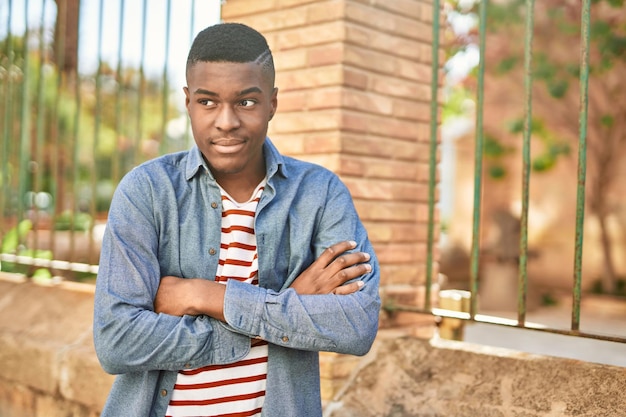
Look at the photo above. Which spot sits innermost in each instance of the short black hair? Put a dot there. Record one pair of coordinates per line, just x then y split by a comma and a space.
232, 42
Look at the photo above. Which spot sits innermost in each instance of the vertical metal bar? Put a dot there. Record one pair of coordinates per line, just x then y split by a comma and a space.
142, 82
5, 178
75, 175
38, 164
58, 158
528, 117
166, 84
582, 161
24, 147
432, 178
93, 175
192, 28
116, 168
478, 161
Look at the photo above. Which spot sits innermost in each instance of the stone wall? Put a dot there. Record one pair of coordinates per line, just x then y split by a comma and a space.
409, 377
48, 368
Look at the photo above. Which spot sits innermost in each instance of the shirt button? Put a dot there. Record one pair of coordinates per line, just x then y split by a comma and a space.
285, 339
214, 205
163, 392
211, 251
187, 365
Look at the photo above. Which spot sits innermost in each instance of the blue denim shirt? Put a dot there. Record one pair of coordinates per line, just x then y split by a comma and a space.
165, 220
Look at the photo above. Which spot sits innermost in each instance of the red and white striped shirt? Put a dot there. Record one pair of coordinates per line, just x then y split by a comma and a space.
238, 389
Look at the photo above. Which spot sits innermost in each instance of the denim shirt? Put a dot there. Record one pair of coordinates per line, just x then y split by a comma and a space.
165, 219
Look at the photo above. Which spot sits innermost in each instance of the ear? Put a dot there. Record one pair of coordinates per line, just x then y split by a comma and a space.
274, 103
187, 98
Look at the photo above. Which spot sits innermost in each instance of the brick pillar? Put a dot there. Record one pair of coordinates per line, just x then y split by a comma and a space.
354, 93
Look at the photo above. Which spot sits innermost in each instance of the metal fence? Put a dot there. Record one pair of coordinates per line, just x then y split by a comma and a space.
471, 312
88, 91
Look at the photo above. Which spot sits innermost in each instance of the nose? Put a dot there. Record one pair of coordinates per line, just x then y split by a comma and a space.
227, 119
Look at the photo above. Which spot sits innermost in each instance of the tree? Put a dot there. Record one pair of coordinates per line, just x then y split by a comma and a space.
556, 52
66, 35
555, 124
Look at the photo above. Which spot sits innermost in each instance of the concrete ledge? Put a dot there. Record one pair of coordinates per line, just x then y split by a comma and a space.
47, 359
413, 377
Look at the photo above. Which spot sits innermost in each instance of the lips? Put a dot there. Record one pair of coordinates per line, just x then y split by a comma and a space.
226, 145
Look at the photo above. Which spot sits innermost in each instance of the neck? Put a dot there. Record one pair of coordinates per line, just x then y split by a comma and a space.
240, 186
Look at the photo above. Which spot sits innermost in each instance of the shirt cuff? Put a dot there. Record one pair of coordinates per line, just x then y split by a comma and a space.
243, 304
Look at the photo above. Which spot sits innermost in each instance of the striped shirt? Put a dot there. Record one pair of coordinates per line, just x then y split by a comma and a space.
238, 389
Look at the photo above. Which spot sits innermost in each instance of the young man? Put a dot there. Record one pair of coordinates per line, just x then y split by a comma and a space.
226, 269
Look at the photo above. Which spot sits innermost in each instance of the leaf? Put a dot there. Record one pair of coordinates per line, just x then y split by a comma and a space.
13, 237
558, 88
497, 172
607, 120
42, 275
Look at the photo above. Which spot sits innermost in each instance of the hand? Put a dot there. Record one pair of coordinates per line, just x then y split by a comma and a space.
332, 269
190, 296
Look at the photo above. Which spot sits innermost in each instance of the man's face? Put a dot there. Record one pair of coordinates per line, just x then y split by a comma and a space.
230, 105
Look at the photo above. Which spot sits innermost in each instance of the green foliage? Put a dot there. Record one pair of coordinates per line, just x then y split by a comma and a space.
494, 150
496, 171
553, 146
457, 103
12, 243
73, 221
610, 44
549, 300
504, 14
507, 64
554, 76
607, 120
15, 236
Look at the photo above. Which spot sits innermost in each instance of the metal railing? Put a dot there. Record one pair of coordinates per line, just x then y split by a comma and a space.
69, 133
88, 92
472, 313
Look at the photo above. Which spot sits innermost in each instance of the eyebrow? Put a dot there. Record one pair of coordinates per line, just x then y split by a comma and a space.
241, 93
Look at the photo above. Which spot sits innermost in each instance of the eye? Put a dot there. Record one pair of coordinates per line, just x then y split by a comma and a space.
206, 102
247, 102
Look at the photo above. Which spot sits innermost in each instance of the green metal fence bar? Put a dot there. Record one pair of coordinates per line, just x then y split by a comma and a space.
165, 89
36, 161
478, 161
116, 170
582, 161
95, 172
76, 80
192, 19
142, 83
432, 177
24, 142
528, 82
7, 93
57, 168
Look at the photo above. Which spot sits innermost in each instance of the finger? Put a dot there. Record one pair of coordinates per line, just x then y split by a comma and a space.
348, 274
349, 288
334, 251
348, 260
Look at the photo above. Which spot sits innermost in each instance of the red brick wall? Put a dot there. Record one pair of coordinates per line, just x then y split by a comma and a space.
354, 95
